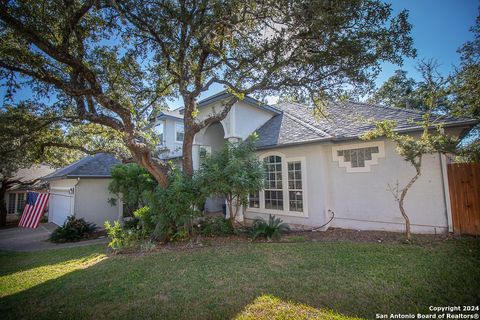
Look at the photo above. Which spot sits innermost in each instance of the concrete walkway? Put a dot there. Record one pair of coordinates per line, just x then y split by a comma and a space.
26, 239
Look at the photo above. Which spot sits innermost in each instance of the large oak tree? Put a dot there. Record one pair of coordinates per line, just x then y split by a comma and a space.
113, 63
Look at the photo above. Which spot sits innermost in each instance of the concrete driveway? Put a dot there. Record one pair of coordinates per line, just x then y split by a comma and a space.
26, 239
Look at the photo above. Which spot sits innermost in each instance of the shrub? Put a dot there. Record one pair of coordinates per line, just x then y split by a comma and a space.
122, 238
134, 183
233, 172
175, 207
73, 230
214, 226
272, 229
145, 219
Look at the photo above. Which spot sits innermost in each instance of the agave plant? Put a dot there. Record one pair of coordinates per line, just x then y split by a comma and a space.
271, 230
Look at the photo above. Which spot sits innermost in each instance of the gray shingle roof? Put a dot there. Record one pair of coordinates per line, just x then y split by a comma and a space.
96, 166
297, 124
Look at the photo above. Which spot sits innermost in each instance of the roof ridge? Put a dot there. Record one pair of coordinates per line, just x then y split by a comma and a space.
381, 106
306, 125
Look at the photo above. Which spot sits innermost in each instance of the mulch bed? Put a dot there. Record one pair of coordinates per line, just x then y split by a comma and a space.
329, 236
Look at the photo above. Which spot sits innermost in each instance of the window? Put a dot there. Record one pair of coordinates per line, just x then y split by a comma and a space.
11, 203
20, 202
161, 132
179, 132
273, 183
358, 157
295, 193
254, 200
284, 190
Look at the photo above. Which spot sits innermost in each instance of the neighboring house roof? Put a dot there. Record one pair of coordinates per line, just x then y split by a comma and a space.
30, 178
96, 166
342, 121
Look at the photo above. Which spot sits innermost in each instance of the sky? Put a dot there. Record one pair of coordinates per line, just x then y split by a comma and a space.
440, 27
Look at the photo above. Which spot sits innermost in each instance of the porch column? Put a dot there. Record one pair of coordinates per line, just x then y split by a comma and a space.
196, 156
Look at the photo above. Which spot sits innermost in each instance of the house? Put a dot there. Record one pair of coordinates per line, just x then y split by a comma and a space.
26, 179
317, 167
81, 189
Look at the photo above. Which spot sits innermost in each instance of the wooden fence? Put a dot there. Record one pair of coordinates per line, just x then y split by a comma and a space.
464, 185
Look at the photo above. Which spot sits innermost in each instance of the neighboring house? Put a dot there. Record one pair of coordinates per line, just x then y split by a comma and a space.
81, 189
316, 166
28, 180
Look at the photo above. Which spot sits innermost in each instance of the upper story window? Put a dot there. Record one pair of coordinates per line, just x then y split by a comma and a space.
358, 157
161, 132
179, 132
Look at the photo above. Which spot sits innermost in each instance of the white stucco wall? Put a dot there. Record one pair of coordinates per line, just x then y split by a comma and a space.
361, 200
91, 201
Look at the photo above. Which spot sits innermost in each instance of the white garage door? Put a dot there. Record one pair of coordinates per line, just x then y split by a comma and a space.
59, 206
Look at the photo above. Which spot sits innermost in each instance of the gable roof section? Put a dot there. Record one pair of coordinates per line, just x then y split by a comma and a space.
96, 166
343, 121
222, 95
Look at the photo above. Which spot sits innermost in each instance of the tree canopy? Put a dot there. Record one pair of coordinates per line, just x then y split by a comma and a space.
114, 63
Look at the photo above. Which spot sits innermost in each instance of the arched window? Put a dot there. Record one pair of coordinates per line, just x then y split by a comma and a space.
284, 187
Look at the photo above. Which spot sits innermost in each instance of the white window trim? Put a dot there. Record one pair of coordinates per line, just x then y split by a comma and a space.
368, 163
286, 204
181, 123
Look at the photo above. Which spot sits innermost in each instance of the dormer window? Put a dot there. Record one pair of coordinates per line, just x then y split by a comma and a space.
179, 132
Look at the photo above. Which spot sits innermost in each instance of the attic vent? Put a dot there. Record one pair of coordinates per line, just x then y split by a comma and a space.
358, 157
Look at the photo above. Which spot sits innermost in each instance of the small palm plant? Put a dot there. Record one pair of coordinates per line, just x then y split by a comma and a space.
272, 229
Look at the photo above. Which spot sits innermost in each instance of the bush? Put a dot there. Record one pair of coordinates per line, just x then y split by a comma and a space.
272, 229
175, 207
145, 219
134, 183
214, 226
73, 230
122, 238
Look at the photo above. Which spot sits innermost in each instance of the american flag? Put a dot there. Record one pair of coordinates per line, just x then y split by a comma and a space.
34, 207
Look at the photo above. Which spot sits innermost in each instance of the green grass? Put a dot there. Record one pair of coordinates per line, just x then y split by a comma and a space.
244, 280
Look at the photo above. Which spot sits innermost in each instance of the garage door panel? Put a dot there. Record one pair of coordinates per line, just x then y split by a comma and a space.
59, 207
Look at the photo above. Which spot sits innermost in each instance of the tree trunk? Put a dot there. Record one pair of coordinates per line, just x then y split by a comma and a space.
188, 153
401, 200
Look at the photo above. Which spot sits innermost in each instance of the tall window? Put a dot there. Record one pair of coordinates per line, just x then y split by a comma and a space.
179, 132
273, 183
20, 202
11, 203
254, 200
161, 132
295, 192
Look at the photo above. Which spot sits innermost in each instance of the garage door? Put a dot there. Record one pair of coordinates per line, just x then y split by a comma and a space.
59, 206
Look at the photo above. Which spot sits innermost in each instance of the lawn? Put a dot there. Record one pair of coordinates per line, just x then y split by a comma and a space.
241, 280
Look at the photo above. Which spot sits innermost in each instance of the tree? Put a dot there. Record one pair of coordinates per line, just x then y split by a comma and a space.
72, 49
398, 91
24, 134
465, 90
411, 147
234, 172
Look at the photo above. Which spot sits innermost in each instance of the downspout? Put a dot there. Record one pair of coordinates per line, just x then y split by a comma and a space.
446, 191
73, 198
